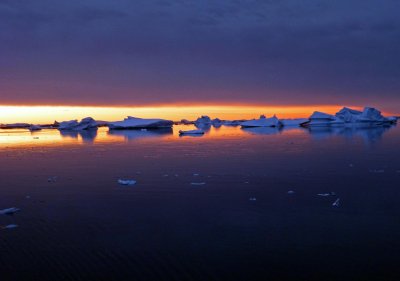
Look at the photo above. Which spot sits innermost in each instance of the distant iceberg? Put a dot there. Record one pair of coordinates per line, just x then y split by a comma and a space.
35, 128
85, 124
262, 122
140, 123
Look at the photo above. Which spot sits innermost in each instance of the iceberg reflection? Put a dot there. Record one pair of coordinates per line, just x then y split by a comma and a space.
130, 135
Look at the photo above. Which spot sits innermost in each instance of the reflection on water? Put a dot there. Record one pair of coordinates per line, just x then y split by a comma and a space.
263, 130
130, 135
52, 137
367, 133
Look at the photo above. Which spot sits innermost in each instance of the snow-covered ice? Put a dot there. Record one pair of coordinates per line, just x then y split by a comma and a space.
140, 123
262, 122
293, 122
85, 124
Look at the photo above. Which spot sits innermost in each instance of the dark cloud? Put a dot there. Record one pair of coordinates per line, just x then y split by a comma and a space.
139, 52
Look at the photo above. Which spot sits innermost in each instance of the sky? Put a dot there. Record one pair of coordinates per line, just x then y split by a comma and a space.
147, 53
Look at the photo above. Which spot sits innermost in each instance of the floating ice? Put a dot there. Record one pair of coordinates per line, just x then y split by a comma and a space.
35, 128
85, 124
126, 182
198, 183
52, 179
252, 199
290, 192
9, 226
323, 194
140, 123
191, 132
203, 121
9, 211
262, 122
336, 203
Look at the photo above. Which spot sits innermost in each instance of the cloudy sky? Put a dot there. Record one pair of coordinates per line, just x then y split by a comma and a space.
120, 52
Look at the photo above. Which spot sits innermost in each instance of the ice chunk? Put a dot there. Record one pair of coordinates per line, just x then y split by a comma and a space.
191, 132
198, 183
217, 122
323, 194
9, 211
336, 203
140, 123
9, 226
52, 179
262, 122
348, 115
126, 182
186, 122
290, 192
252, 199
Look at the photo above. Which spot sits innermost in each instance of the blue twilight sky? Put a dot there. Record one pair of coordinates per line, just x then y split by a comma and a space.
121, 52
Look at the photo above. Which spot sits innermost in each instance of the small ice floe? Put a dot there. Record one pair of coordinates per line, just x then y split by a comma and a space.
9, 211
143, 130
198, 183
252, 199
191, 132
126, 182
166, 175
377, 171
196, 175
290, 192
351, 165
9, 226
336, 203
52, 179
27, 196
324, 194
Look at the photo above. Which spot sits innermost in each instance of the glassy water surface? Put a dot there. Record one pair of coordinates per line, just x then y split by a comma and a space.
234, 204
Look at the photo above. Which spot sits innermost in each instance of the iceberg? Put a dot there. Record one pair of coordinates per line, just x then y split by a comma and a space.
35, 128
85, 124
203, 122
15, 126
293, 122
348, 115
262, 122
140, 123
371, 115
217, 122
186, 122
191, 132
323, 119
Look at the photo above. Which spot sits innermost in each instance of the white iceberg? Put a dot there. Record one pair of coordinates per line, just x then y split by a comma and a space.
262, 122
348, 115
85, 124
336, 203
191, 132
9, 211
140, 123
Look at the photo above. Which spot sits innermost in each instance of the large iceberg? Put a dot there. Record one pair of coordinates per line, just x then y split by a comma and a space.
85, 124
140, 123
262, 122
347, 116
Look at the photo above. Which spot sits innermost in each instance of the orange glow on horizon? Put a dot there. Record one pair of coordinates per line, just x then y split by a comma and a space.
48, 114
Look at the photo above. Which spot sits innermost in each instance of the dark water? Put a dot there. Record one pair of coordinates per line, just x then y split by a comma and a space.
82, 225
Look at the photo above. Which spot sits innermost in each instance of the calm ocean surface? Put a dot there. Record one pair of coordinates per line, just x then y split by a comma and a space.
214, 207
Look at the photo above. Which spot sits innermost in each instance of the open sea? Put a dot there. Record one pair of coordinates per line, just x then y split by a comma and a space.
234, 204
